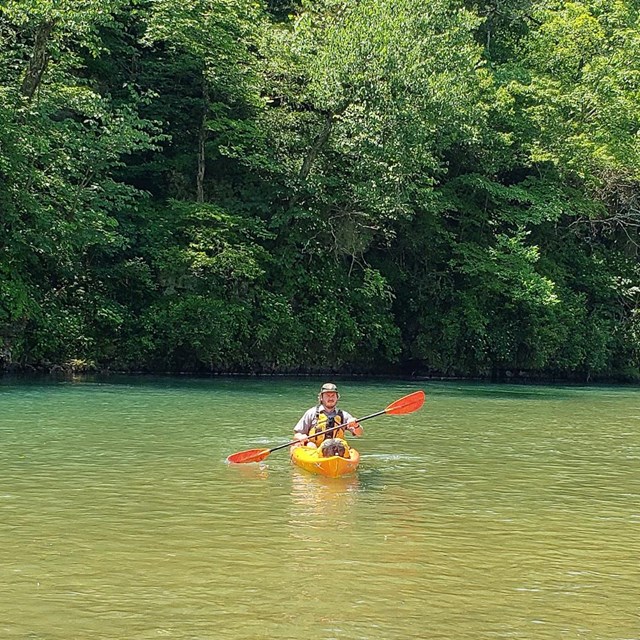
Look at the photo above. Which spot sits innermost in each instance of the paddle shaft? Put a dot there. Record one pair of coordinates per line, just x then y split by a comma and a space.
319, 433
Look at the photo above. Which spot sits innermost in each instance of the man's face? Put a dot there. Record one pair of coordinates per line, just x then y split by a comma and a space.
329, 399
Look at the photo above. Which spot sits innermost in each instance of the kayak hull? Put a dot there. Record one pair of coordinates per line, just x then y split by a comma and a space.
309, 459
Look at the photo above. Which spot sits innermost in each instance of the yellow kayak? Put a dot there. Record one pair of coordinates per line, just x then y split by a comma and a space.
310, 459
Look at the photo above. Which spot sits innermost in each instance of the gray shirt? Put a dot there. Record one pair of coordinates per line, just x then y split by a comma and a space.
310, 418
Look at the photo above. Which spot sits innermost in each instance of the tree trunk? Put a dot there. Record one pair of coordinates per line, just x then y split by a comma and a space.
310, 158
38, 61
202, 140
319, 142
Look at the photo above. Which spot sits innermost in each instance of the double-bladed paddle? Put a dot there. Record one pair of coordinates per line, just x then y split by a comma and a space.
408, 404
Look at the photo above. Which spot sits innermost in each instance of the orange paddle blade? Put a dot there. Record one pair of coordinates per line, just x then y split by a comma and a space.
250, 455
408, 404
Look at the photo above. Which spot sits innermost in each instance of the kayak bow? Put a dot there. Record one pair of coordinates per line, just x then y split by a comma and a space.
310, 459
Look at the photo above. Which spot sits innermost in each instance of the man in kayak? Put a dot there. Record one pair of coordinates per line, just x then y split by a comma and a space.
325, 415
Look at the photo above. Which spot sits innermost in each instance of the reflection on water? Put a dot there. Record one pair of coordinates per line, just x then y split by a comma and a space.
316, 499
495, 512
248, 471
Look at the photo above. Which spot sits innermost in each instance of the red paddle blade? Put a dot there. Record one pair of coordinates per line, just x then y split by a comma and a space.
408, 404
251, 455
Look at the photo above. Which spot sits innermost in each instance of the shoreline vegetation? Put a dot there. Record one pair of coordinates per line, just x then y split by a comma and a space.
88, 371
354, 187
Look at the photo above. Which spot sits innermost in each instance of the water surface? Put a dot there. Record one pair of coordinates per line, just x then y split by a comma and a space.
494, 512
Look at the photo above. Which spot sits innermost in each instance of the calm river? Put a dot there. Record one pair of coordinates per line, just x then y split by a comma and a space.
493, 512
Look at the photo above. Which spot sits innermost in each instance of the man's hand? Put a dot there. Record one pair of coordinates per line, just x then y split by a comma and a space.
355, 428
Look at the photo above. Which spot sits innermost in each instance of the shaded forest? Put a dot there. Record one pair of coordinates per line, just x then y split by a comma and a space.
358, 186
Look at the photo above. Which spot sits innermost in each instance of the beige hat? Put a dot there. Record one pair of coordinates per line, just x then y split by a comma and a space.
328, 387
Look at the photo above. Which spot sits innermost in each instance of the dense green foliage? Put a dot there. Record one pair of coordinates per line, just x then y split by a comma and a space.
447, 188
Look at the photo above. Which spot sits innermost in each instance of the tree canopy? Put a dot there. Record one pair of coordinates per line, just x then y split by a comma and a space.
377, 186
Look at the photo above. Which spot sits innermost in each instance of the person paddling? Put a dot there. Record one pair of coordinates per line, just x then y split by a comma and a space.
325, 415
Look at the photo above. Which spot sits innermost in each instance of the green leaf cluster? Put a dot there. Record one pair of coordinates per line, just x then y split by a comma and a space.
377, 186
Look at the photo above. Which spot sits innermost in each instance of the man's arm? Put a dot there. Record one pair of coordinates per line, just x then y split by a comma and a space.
304, 424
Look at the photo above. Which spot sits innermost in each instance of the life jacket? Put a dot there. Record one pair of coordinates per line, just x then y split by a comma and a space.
323, 422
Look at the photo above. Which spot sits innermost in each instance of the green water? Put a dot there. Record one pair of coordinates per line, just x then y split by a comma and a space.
493, 512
